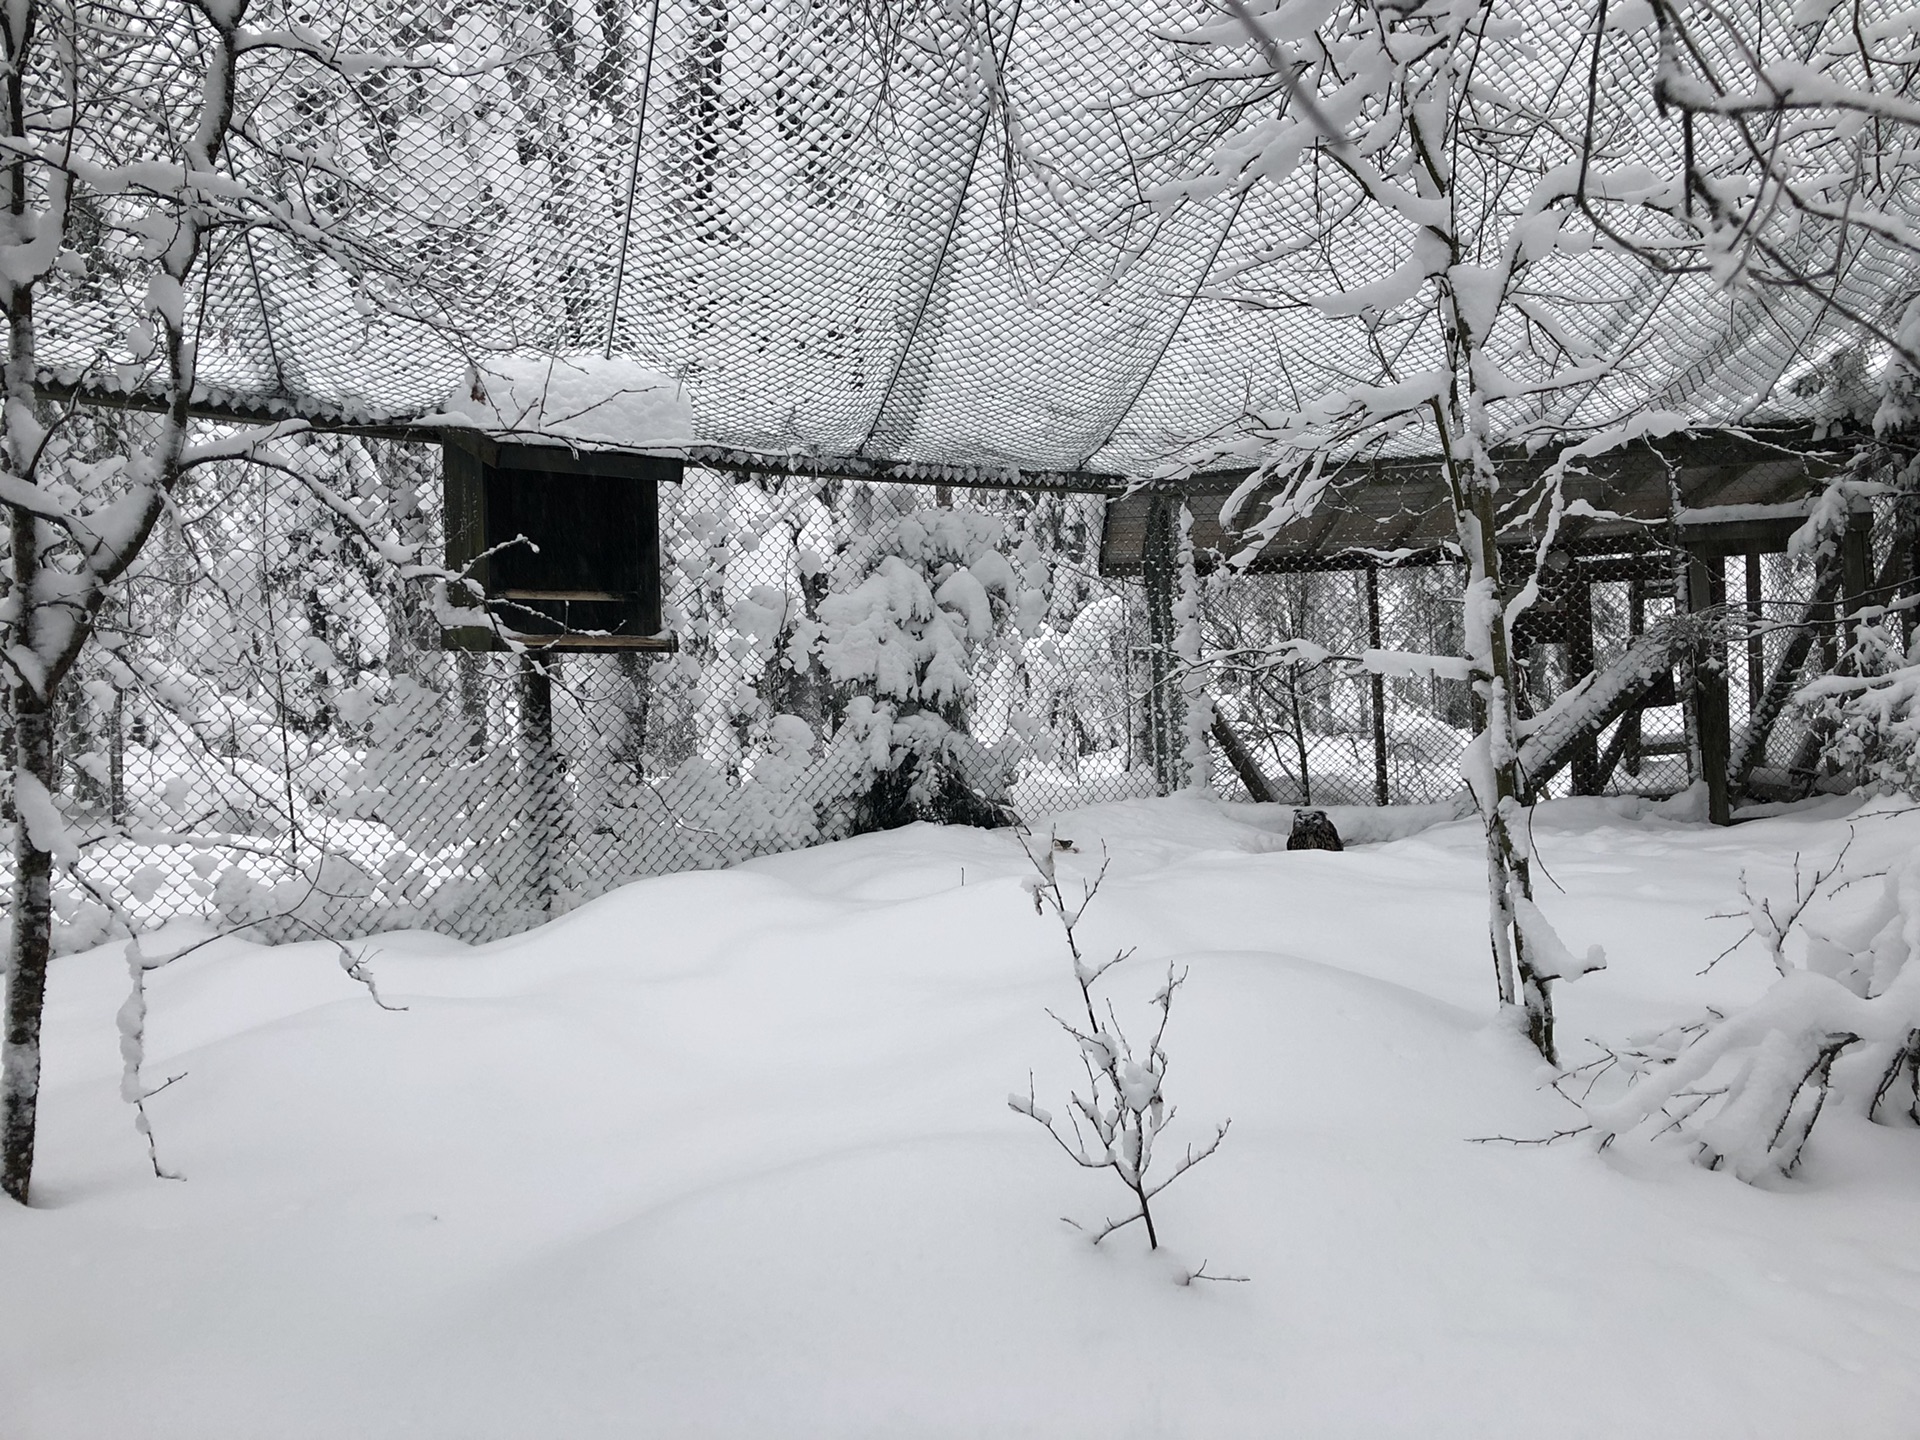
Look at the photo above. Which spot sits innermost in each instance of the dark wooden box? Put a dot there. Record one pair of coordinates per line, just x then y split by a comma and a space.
590, 578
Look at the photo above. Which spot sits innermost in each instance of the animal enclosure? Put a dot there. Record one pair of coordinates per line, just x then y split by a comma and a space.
297, 752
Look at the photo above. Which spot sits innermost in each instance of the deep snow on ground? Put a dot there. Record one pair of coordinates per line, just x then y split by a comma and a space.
728, 1154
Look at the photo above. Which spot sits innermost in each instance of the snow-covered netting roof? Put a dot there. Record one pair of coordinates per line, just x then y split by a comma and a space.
1033, 235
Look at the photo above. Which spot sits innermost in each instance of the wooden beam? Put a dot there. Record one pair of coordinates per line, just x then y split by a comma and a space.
1377, 689
1243, 761
1580, 658
1785, 678
1706, 589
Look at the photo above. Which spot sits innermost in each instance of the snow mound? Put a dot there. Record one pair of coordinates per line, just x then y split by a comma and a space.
726, 1154
577, 399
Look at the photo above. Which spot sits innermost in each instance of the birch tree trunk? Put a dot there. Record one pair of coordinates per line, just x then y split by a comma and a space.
29, 692
58, 598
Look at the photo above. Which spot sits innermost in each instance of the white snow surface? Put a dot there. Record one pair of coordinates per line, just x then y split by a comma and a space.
574, 399
729, 1154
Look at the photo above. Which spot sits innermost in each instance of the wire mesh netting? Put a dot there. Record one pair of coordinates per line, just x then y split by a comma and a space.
1040, 236
1322, 730
271, 736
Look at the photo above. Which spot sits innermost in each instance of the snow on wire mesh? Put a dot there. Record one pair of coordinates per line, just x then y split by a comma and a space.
999, 236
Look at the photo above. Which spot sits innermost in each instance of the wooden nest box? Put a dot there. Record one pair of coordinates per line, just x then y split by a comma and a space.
564, 543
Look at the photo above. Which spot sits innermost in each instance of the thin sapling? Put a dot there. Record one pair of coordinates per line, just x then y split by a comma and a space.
1117, 1119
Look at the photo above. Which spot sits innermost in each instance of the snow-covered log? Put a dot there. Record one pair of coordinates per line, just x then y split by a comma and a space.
1579, 715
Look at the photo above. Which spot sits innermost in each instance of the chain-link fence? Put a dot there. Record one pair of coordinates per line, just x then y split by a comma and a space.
270, 734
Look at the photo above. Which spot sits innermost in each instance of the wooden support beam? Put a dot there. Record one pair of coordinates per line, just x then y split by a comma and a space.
1786, 676
1856, 565
1631, 734
1573, 723
1242, 759
1378, 690
1578, 603
1706, 591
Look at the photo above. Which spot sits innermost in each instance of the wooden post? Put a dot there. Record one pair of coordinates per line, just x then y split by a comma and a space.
117, 760
1578, 606
541, 767
1632, 734
1378, 686
1856, 569
1706, 590
1906, 541
1166, 729
1756, 642
470, 684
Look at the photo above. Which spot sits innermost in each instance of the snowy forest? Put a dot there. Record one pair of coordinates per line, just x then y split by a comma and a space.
641, 636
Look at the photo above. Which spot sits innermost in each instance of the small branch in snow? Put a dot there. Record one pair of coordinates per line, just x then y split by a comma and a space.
1122, 1110
1772, 928
357, 968
1555, 1138
1201, 1274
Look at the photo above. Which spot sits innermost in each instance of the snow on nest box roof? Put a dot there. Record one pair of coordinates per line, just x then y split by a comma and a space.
589, 401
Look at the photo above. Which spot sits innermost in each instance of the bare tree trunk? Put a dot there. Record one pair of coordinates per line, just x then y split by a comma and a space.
30, 943
49, 633
1509, 878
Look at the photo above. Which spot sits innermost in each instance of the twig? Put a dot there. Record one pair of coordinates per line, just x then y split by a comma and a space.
1201, 1274
1555, 1138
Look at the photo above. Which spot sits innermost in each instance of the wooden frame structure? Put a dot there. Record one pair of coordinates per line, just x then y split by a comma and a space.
1679, 508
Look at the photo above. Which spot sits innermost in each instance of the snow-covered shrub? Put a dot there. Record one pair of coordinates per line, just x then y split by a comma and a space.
1864, 713
1870, 713
1842, 1025
1118, 1118
1078, 678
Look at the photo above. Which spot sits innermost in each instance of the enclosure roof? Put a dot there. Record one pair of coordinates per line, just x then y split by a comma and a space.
981, 241
1731, 491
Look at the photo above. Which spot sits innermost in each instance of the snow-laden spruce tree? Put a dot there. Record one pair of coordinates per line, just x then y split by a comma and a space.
885, 639
1865, 716
151, 156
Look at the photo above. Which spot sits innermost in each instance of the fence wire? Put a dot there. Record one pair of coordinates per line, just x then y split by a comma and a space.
270, 735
